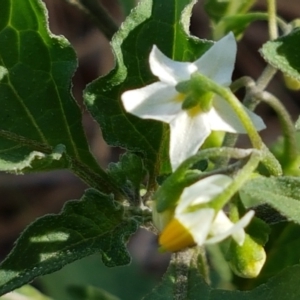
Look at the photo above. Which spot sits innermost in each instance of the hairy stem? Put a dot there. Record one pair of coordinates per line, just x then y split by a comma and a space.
287, 125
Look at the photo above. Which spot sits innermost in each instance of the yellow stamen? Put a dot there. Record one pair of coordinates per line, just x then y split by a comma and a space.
194, 111
179, 97
175, 237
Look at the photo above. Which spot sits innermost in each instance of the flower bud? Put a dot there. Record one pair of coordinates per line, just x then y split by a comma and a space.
291, 83
247, 260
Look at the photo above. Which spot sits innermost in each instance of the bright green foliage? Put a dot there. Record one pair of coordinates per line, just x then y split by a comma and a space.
283, 53
281, 193
89, 293
93, 224
38, 111
161, 23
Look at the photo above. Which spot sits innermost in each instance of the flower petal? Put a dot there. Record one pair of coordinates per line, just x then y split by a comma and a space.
222, 228
217, 62
168, 70
155, 101
187, 135
202, 191
222, 117
242, 223
198, 223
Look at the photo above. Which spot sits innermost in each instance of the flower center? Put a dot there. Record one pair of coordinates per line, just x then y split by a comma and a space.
193, 95
175, 237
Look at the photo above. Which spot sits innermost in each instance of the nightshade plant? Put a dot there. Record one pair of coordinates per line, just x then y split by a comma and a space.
167, 102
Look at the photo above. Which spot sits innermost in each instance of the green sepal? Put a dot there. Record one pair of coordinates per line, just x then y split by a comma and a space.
169, 192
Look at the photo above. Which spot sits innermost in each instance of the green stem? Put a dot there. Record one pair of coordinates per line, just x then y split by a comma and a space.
183, 264
273, 30
265, 77
102, 181
211, 153
287, 125
226, 94
242, 176
98, 15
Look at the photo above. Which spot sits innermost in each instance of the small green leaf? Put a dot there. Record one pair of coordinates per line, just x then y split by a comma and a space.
93, 224
281, 193
129, 168
283, 53
152, 22
79, 292
129, 173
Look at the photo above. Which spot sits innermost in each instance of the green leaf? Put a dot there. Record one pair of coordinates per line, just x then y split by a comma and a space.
282, 250
38, 111
79, 292
285, 285
283, 53
152, 22
93, 224
40, 123
26, 292
281, 193
129, 173
218, 9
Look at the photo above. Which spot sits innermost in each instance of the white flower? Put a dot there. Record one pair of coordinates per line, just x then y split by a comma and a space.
161, 101
192, 224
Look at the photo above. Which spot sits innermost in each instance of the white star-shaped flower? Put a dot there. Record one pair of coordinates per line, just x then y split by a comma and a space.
161, 100
193, 224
